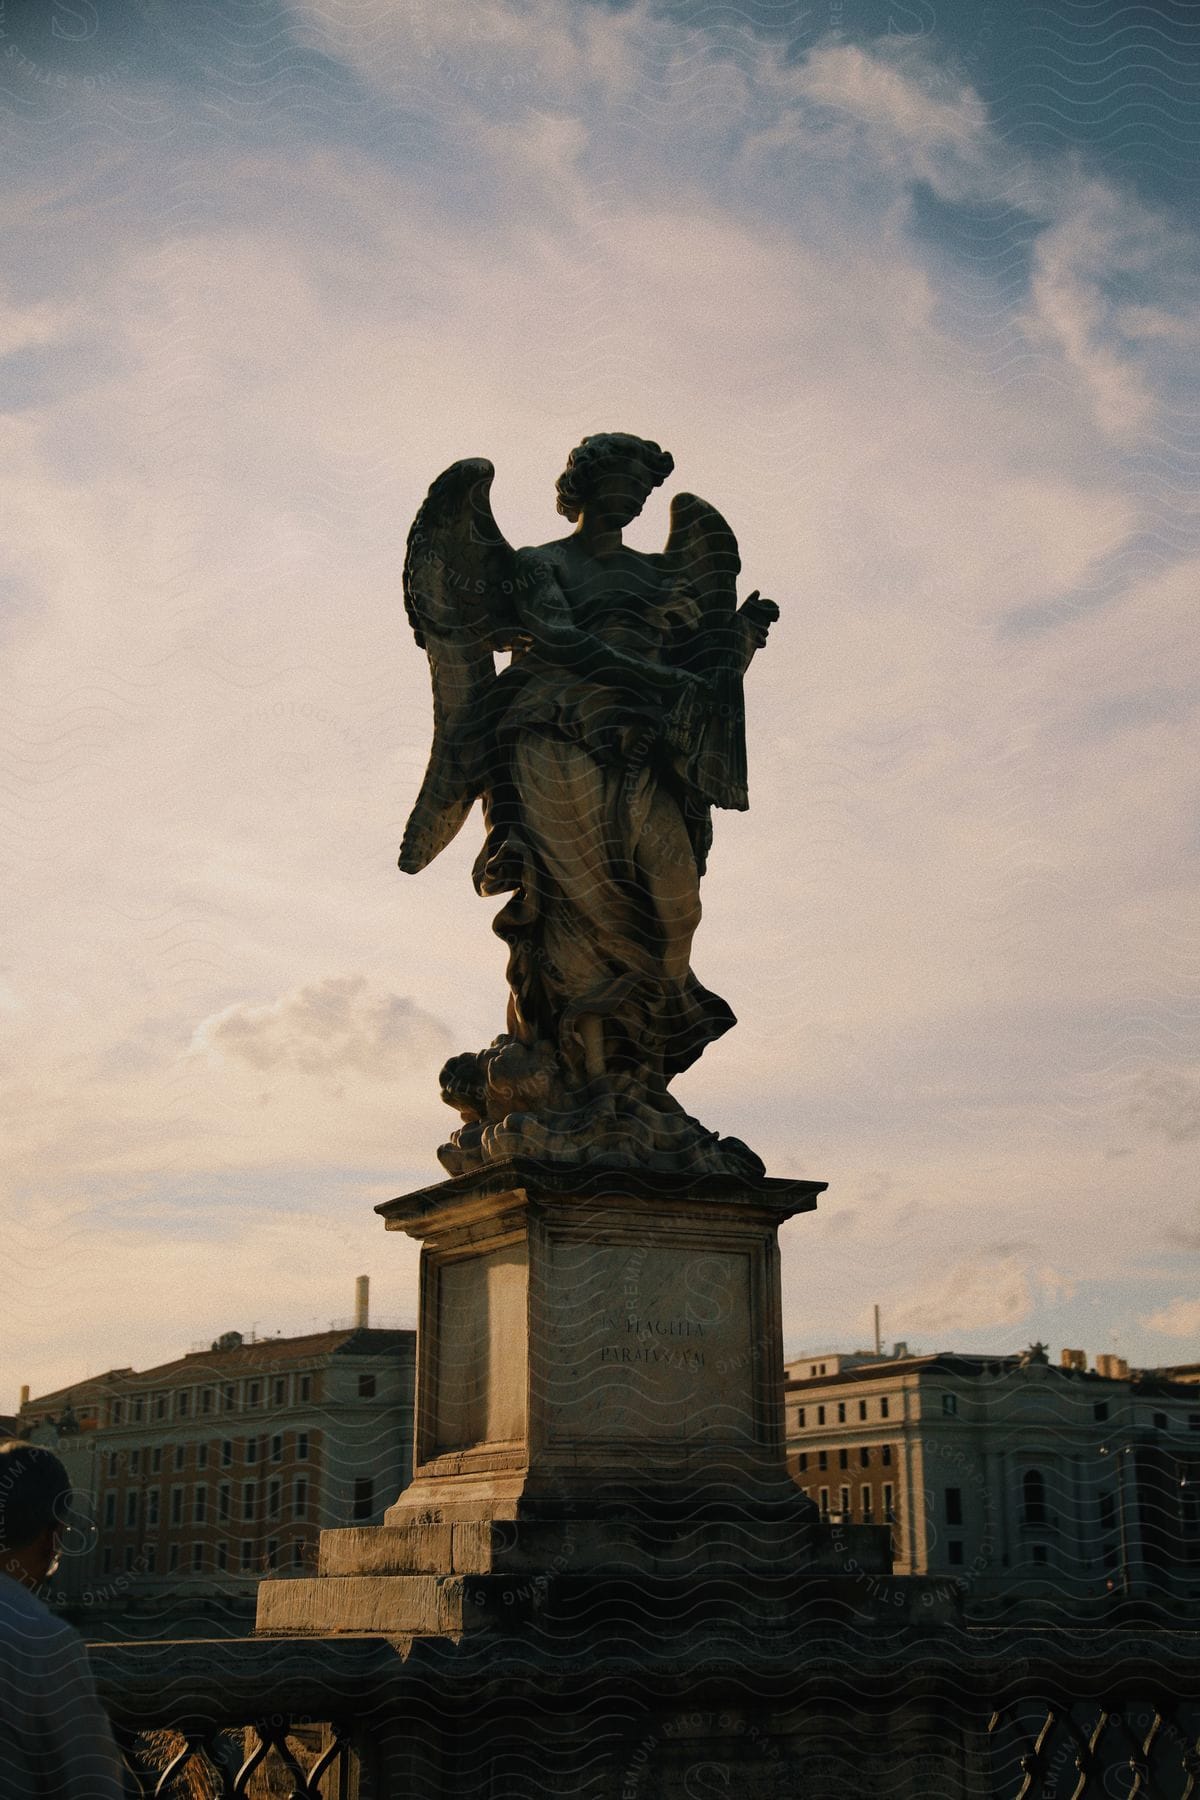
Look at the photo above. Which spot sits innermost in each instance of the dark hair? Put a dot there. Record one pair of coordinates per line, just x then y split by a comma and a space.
35, 1492
596, 455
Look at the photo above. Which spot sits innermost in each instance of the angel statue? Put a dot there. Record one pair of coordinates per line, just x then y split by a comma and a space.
598, 753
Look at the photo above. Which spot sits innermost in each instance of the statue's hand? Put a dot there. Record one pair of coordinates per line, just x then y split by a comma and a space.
760, 614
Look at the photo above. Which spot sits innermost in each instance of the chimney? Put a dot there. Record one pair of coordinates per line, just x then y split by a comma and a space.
362, 1302
1074, 1359
25, 1395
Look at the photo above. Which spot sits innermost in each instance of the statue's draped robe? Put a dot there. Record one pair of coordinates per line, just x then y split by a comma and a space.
594, 826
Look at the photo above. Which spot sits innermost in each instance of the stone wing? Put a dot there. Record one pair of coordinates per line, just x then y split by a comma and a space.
703, 553
458, 576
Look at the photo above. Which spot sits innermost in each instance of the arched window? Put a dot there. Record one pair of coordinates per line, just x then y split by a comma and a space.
1033, 1488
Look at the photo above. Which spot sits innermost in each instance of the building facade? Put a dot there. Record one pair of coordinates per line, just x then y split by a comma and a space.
198, 1478
1006, 1474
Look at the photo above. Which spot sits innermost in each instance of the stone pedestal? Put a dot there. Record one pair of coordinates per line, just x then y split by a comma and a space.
595, 1346
599, 1399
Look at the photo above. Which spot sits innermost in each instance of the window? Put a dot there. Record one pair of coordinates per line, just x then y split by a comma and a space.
279, 1390
106, 1562
841, 1406
251, 1450
883, 1407
202, 1456
954, 1552
197, 1558
1107, 1511
128, 1558
949, 1405
173, 1557
156, 1461
800, 1419
302, 1446
862, 1409
131, 1508
152, 1507
1194, 1421
180, 1454
864, 1457
272, 1553
182, 1402
1099, 1413
298, 1554
247, 1501
135, 1462
885, 1455
803, 1461
206, 1400
1039, 1555
1033, 1493
150, 1558
820, 1415
823, 1499
110, 1509
254, 1394
139, 1409
277, 1448
116, 1412
274, 1496
843, 1459
364, 1497
226, 1453
300, 1498
889, 1503
864, 1495
822, 1368
366, 1387
229, 1396
844, 1502
1160, 1421
112, 1462
200, 1504
246, 1557
822, 1459
306, 1387
222, 1555
177, 1506
954, 1511
160, 1406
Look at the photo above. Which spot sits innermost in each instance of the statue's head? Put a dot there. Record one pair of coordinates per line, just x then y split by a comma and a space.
628, 467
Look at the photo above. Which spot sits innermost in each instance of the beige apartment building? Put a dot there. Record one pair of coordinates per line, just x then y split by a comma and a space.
1006, 1474
197, 1478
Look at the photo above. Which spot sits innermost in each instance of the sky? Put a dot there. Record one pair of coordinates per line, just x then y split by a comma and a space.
909, 290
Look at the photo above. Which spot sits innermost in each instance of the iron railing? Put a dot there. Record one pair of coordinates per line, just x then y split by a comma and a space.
1022, 1712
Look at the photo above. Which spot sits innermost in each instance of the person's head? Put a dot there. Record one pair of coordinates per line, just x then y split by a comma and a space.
35, 1494
615, 469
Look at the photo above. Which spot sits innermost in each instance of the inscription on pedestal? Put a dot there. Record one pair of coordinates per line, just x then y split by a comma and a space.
650, 1343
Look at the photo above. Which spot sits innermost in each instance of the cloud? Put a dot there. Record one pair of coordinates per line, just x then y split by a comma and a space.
967, 1296
1168, 1101
336, 1026
1179, 1319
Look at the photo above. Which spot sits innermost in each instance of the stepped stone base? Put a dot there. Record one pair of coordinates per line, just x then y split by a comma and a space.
455, 1579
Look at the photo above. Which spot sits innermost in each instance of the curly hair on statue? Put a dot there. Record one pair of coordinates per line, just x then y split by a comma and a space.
596, 456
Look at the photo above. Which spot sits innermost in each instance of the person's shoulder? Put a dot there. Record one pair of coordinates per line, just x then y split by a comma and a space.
25, 1619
